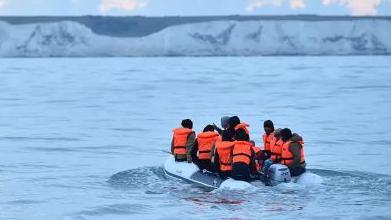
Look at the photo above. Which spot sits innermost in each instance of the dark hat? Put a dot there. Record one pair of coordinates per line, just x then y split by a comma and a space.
209, 128
187, 123
286, 134
268, 124
225, 121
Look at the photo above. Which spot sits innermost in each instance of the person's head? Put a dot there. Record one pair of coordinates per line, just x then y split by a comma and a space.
268, 126
225, 122
209, 128
227, 135
286, 134
277, 133
233, 121
187, 123
241, 135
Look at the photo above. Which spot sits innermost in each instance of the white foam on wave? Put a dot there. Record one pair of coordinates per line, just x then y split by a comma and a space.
309, 179
306, 181
235, 185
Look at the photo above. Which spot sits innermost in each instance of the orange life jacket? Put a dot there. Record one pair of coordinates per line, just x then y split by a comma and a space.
242, 152
275, 149
267, 139
286, 154
224, 149
243, 126
206, 140
180, 140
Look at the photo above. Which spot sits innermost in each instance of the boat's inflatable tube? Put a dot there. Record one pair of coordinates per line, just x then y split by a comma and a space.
189, 172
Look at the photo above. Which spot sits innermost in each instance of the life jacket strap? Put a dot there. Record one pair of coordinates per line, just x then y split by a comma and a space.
242, 154
287, 158
179, 147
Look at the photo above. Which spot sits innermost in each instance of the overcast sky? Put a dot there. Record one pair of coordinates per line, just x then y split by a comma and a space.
194, 7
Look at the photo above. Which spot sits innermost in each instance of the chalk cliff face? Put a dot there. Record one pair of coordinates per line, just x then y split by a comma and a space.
215, 38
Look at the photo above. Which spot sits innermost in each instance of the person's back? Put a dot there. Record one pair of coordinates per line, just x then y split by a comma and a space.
222, 155
292, 153
183, 141
242, 157
204, 143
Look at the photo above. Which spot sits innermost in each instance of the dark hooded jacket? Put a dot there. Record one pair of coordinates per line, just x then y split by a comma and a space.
295, 148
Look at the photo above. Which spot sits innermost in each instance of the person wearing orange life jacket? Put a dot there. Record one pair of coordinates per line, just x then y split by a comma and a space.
268, 136
222, 155
292, 153
183, 141
276, 146
201, 152
243, 157
235, 124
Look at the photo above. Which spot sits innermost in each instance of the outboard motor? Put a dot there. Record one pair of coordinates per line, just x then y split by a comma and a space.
276, 174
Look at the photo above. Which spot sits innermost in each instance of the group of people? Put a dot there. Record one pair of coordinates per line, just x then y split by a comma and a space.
230, 152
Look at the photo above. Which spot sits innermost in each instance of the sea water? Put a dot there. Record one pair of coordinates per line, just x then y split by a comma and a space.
86, 138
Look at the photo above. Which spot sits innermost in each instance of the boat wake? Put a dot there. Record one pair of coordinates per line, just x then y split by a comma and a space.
326, 187
154, 180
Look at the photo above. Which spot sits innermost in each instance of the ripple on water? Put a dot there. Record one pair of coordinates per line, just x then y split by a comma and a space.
53, 149
21, 138
24, 202
116, 209
150, 179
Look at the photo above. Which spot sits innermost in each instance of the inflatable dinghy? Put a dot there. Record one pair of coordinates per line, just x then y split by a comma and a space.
190, 172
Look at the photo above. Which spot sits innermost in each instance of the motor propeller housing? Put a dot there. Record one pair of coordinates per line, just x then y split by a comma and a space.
278, 173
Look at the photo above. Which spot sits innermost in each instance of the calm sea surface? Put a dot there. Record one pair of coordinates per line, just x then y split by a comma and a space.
85, 138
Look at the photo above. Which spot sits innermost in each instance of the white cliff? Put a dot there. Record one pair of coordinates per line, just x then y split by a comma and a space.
215, 38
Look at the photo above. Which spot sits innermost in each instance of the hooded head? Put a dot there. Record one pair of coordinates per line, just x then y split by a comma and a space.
187, 123
208, 128
286, 134
225, 122
268, 126
233, 121
241, 135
